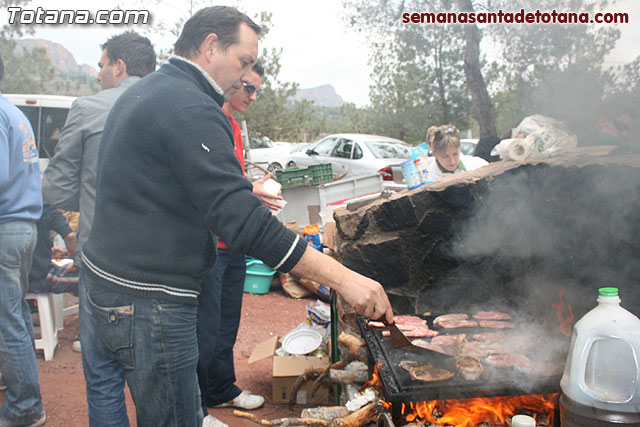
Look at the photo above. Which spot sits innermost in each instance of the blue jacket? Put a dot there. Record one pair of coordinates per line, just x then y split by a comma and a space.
20, 184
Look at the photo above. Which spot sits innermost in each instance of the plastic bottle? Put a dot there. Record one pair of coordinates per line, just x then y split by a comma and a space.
601, 381
523, 421
412, 176
423, 150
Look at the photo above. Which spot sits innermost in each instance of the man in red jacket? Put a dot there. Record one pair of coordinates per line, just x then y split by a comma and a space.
220, 301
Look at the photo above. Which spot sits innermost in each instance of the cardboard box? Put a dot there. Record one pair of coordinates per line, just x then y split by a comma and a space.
328, 239
286, 371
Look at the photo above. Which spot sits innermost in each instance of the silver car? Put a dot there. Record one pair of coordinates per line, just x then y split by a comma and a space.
356, 154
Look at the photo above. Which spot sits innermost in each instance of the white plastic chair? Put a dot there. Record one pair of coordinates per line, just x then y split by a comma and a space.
48, 322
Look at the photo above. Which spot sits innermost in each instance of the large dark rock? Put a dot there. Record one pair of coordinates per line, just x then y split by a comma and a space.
509, 234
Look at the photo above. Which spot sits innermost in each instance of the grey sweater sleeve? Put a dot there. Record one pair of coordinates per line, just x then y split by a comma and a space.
61, 182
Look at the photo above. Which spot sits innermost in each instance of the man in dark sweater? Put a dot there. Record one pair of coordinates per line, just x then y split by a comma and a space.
168, 185
44, 276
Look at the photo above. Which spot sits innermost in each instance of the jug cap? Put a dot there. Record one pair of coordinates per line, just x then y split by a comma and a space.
608, 292
523, 421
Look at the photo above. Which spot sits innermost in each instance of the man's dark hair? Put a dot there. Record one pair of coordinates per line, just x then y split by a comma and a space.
258, 68
223, 21
1, 69
135, 50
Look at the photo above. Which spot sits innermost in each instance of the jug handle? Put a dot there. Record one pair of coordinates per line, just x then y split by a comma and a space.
582, 368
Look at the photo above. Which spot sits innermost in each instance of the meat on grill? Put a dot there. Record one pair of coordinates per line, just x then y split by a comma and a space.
409, 320
524, 364
479, 349
490, 336
425, 372
400, 320
449, 339
448, 317
491, 315
414, 331
447, 344
430, 346
470, 368
495, 324
460, 323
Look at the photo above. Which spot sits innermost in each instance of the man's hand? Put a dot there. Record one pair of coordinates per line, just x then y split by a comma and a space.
268, 199
69, 268
70, 243
58, 252
365, 295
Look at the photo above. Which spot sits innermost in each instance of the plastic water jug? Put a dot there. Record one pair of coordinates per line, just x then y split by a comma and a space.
601, 381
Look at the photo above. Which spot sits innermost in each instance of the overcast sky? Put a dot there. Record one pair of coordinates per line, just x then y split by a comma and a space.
318, 47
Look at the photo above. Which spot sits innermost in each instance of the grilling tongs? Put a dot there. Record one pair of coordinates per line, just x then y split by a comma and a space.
400, 341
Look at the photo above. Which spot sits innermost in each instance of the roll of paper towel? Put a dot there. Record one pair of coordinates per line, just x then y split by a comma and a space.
521, 149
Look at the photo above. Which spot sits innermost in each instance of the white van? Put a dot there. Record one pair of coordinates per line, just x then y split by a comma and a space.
47, 114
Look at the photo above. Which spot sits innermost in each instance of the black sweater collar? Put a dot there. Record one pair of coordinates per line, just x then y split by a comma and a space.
197, 75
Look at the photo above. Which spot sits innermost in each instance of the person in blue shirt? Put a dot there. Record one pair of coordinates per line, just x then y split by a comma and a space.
20, 208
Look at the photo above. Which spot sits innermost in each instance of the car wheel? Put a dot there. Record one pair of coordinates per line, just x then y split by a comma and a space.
291, 164
274, 167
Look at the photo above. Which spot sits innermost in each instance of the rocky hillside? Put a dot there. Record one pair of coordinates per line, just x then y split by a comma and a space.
60, 57
323, 96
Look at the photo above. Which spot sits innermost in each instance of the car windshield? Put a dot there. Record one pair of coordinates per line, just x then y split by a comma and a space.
261, 142
388, 149
468, 147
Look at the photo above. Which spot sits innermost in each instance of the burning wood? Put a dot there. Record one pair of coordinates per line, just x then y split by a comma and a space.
359, 418
355, 346
565, 313
320, 375
354, 372
496, 411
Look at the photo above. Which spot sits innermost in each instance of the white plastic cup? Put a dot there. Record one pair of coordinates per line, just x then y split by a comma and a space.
272, 186
523, 421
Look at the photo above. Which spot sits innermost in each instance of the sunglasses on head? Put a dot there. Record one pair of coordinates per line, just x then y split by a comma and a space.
439, 134
251, 89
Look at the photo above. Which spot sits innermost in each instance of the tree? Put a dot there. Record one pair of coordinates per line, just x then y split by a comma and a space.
555, 69
418, 72
544, 68
483, 110
28, 72
272, 115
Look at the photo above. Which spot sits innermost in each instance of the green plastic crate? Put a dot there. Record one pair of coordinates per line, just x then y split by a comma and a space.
299, 176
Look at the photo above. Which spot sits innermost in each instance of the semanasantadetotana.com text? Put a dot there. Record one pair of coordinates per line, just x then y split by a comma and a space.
520, 17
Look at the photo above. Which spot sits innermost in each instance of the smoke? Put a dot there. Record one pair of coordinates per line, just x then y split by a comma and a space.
573, 225
540, 233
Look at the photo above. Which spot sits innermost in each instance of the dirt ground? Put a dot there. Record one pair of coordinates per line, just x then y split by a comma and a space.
62, 382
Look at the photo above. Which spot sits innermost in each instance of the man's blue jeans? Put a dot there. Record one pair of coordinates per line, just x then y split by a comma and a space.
104, 377
23, 403
219, 311
154, 341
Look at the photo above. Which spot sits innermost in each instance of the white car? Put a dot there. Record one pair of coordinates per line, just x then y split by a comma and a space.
268, 154
47, 114
357, 154
468, 146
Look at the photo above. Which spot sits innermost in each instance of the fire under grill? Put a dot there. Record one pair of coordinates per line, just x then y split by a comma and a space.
400, 390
